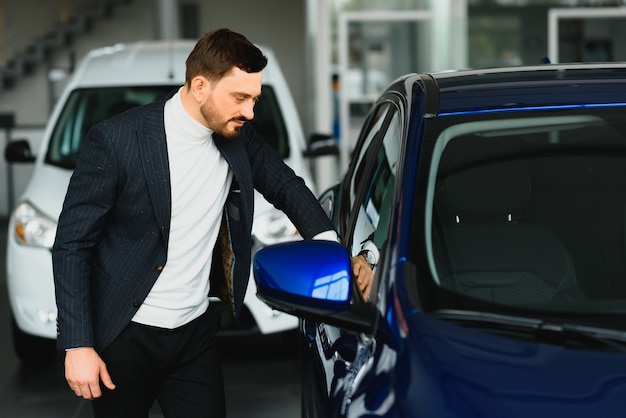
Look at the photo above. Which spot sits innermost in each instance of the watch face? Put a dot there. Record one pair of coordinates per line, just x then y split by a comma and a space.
369, 256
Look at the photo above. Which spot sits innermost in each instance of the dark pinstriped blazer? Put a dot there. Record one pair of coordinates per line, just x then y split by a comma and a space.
113, 231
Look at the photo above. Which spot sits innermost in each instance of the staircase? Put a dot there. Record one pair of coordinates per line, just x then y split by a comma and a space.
48, 33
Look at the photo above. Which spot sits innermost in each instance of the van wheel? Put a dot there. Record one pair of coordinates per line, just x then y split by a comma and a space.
31, 349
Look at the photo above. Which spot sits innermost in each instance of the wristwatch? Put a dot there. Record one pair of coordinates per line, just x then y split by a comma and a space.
370, 257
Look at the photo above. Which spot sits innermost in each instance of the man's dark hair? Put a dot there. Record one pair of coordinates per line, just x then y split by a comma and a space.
218, 51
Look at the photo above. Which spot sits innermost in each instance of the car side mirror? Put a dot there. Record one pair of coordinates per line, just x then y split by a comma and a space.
321, 145
312, 280
18, 151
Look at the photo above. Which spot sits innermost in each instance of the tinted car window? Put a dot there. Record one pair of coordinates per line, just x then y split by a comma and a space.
373, 208
88, 106
366, 147
269, 122
528, 212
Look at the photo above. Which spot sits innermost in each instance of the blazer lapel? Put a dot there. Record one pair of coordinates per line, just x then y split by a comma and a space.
236, 223
155, 162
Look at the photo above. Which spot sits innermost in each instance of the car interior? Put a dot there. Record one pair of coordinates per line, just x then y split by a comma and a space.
490, 253
534, 215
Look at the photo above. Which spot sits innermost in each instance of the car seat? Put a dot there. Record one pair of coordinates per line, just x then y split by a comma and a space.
488, 252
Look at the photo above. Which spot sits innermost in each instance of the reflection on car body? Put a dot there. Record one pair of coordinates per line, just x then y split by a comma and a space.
497, 200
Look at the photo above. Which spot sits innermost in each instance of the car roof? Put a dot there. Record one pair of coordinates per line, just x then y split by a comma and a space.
519, 88
144, 63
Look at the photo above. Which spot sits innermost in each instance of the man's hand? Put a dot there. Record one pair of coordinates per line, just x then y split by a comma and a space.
84, 369
364, 275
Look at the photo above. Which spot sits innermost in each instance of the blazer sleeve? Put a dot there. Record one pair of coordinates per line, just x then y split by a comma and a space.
90, 196
280, 185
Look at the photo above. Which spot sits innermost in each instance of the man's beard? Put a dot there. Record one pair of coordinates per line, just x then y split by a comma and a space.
221, 128
236, 130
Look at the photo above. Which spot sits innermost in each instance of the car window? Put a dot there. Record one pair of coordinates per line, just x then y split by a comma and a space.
529, 212
373, 183
88, 106
269, 122
377, 174
364, 148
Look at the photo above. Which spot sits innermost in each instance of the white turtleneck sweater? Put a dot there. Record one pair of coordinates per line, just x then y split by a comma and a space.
200, 181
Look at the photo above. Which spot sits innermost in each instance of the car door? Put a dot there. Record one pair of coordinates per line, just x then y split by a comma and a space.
341, 361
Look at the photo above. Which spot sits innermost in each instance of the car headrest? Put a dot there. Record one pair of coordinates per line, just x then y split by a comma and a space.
498, 189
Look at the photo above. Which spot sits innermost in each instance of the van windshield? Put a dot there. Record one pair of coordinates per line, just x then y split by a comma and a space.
88, 106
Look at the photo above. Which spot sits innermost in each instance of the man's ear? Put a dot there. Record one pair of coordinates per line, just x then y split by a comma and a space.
199, 86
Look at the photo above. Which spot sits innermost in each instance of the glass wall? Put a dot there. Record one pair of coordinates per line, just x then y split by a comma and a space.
517, 32
374, 41
513, 32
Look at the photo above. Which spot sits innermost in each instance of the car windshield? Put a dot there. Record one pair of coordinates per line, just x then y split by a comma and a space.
527, 211
88, 106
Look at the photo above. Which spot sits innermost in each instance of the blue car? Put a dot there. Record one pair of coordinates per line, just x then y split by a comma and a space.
494, 205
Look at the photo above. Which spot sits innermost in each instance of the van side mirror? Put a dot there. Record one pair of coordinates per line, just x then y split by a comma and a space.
320, 145
18, 151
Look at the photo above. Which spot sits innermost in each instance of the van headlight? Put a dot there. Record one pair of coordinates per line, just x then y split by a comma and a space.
274, 227
32, 227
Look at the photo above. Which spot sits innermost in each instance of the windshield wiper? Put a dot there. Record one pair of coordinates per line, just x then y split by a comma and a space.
550, 331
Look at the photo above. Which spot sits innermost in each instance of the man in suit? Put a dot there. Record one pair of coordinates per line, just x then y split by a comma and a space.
157, 216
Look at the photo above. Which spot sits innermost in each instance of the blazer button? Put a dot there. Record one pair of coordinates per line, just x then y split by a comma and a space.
136, 304
159, 268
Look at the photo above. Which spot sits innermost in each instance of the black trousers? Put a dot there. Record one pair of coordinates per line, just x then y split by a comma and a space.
180, 368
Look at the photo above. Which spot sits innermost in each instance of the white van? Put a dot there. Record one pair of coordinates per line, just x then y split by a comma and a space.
108, 81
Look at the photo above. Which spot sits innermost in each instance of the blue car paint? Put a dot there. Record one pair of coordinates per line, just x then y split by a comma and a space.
456, 371
531, 108
418, 365
325, 278
461, 372
439, 369
538, 86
